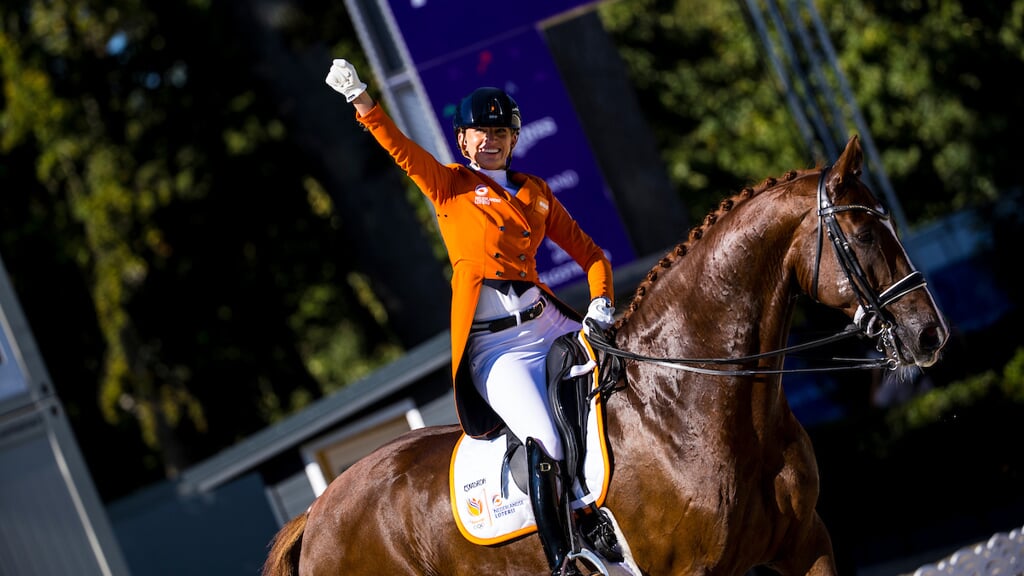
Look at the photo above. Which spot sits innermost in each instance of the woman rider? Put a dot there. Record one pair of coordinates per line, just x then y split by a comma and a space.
503, 319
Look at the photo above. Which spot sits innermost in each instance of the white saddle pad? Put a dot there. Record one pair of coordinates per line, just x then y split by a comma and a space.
484, 515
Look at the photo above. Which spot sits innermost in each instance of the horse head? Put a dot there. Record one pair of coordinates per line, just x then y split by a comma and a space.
867, 273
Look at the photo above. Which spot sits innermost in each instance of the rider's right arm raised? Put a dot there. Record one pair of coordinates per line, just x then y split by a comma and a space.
430, 176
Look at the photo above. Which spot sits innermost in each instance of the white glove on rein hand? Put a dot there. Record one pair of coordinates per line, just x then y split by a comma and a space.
344, 79
601, 312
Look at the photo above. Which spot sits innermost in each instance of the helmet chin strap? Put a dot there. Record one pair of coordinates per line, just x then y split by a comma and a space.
511, 149
461, 139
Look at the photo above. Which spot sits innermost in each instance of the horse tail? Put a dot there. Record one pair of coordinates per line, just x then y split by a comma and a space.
283, 558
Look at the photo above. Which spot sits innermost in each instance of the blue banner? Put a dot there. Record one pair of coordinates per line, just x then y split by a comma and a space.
435, 29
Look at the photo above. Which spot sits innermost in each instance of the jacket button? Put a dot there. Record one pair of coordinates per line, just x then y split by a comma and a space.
522, 257
499, 273
526, 233
497, 255
522, 274
502, 228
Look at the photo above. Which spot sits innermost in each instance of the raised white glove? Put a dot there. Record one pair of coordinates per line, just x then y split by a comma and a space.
601, 312
344, 79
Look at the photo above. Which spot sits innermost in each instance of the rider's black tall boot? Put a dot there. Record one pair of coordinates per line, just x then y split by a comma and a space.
548, 507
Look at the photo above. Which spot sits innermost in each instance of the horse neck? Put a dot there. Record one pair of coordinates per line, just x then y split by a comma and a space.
731, 293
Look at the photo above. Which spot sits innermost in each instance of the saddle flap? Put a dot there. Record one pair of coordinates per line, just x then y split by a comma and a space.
569, 397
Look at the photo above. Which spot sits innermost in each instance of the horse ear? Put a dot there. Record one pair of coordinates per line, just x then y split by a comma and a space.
848, 164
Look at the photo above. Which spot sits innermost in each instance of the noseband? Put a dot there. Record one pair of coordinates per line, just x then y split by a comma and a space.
872, 317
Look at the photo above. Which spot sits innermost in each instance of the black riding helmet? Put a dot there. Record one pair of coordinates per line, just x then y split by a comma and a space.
487, 107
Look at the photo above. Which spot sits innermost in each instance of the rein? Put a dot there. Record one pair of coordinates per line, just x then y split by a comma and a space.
600, 341
871, 318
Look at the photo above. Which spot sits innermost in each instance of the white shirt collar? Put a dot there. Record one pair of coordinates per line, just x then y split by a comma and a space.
499, 176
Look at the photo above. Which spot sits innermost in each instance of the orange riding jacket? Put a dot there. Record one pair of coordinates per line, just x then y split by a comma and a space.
489, 233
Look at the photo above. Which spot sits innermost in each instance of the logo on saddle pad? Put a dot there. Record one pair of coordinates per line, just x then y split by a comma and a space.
490, 506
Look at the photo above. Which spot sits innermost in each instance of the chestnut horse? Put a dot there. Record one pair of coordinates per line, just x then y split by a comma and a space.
712, 472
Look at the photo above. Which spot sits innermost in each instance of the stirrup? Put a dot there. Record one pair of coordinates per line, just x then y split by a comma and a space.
599, 533
593, 560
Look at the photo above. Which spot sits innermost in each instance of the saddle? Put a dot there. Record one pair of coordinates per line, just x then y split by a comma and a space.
571, 390
489, 479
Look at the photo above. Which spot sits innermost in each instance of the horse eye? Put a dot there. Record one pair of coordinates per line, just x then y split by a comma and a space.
865, 236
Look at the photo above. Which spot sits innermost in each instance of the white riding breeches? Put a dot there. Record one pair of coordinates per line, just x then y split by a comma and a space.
509, 367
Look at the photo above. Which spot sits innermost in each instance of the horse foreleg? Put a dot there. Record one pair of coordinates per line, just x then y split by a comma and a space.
809, 553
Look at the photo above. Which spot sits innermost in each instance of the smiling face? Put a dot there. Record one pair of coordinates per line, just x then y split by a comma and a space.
488, 147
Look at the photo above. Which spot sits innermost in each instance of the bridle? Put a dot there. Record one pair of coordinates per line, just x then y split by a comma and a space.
872, 318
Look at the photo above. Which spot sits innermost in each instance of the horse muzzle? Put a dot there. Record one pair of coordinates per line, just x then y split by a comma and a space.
905, 346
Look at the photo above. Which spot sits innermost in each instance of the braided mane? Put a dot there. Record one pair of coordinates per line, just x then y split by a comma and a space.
696, 233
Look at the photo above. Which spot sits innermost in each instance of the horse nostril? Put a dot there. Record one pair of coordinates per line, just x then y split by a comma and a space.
931, 338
